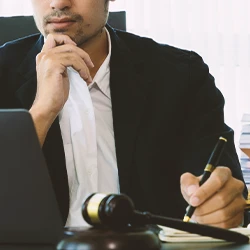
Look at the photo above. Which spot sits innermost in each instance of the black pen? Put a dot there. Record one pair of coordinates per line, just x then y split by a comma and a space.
211, 165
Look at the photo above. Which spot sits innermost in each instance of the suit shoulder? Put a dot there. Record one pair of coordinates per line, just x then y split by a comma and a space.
17, 49
146, 48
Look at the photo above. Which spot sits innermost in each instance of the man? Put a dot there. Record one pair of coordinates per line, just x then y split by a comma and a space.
129, 115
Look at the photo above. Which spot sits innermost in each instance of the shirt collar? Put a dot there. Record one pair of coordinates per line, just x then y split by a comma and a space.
103, 71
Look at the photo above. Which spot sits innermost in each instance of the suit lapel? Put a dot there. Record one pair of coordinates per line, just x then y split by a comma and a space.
53, 146
129, 90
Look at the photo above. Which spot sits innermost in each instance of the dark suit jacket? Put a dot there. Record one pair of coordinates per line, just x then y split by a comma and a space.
167, 113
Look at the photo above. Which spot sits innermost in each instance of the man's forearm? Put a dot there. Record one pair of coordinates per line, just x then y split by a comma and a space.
42, 123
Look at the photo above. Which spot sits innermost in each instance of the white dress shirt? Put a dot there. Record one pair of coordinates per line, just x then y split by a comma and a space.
86, 124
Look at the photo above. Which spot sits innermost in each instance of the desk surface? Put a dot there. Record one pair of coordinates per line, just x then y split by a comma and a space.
90, 235
165, 246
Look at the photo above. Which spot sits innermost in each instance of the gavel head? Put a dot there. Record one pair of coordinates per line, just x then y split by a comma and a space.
112, 210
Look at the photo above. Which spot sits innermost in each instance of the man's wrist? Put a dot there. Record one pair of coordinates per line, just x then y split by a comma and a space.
41, 115
42, 122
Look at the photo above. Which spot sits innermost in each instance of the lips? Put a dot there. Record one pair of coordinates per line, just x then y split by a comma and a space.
60, 20
60, 23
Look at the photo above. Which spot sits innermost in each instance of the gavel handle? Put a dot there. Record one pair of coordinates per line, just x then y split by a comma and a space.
215, 232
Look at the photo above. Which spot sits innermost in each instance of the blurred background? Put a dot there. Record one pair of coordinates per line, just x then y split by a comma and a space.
219, 30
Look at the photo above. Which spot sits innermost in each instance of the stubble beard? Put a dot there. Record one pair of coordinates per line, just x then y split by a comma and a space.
80, 37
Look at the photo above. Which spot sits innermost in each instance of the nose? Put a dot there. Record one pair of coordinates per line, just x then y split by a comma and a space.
60, 4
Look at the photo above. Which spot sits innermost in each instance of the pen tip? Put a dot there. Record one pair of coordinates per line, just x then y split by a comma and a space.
186, 218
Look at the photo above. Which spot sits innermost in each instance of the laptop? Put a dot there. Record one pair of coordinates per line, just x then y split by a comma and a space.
29, 211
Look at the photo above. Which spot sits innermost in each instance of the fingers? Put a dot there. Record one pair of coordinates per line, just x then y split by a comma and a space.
69, 46
67, 56
55, 40
189, 185
231, 223
78, 65
228, 216
58, 64
231, 191
215, 182
68, 52
71, 49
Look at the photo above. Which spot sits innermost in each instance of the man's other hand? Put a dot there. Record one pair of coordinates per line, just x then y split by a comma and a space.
219, 201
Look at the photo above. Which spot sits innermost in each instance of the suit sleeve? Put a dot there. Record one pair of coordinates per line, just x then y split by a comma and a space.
205, 123
7, 70
2, 80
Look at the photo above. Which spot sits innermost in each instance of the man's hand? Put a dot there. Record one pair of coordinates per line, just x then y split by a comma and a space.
219, 201
58, 53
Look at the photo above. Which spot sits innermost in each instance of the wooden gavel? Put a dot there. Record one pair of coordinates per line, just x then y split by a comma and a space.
117, 211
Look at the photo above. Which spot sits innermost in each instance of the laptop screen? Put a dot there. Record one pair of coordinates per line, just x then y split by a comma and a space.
28, 210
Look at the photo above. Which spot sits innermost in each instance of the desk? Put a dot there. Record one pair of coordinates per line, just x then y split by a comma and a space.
165, 246
86, 234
